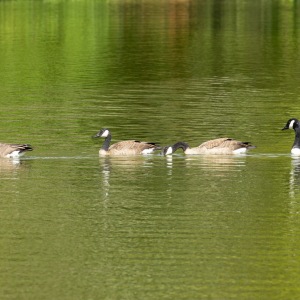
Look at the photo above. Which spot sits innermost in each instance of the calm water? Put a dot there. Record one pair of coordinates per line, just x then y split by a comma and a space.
74, 226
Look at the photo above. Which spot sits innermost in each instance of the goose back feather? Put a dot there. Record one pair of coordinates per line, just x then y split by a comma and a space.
130, 147
223, 146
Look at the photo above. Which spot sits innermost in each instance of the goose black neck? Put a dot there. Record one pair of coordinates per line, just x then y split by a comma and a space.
106, 142
181, 145
297, 138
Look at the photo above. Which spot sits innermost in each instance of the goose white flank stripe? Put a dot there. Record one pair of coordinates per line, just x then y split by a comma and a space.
295, 151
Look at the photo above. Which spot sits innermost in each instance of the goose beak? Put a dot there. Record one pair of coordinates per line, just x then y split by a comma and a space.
95, 136
285, 127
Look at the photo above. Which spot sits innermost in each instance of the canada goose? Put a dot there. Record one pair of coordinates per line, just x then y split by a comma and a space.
216, 146
130, 147
13, 150
294, 124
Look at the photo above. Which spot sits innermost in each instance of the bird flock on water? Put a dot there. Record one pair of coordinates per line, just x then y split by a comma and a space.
219, 146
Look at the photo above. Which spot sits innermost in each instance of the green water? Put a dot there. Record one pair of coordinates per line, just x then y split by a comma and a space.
76, 226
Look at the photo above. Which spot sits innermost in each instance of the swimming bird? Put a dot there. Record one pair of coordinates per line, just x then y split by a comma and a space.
129, 147
216, 146
13, 150
294, 124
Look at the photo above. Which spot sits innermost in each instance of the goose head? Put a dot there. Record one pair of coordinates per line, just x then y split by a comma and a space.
104, 132
167, 150
172, 148
291, 124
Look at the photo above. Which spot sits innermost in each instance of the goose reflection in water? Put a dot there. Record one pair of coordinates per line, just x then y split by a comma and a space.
294, 183
123, 167
218, 162
169, 160
9, 165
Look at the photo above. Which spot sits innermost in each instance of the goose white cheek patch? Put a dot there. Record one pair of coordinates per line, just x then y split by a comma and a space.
105, 133
169, 151
291, 124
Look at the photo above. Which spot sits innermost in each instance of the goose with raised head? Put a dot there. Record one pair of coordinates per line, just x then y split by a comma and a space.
216, 146
129, 147
13, 150
294, 124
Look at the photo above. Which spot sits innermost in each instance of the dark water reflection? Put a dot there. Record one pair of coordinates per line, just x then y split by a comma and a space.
76, 226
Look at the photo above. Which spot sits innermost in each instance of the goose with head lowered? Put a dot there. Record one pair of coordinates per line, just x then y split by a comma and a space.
13, 150
129, 147
215, 146
294, 124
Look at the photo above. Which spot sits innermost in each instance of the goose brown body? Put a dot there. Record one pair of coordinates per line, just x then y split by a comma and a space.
220, 146
215, 146
129, 147
13, 150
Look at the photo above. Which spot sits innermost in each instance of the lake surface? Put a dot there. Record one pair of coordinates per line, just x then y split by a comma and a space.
76, 226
